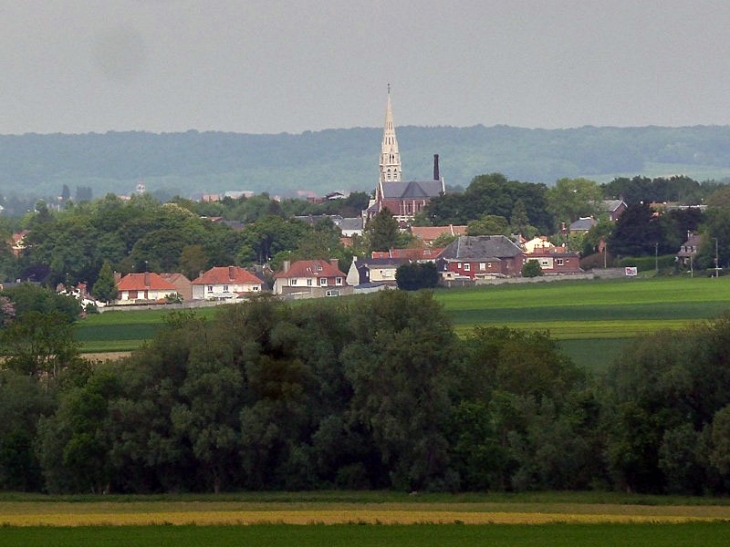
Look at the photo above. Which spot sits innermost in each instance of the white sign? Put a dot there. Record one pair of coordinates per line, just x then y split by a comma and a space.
631, 271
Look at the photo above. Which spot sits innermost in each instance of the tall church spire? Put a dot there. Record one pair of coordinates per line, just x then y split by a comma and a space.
390, 167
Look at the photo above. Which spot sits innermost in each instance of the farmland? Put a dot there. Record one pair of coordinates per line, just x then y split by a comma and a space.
592, 320
366, 519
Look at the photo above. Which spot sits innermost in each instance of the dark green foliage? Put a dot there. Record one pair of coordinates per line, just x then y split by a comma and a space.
27, 297
496, 196
382, 231
532, 268
372, 392
105, 288
415, 276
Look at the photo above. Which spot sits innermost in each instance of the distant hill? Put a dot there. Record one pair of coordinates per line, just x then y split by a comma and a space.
194, 163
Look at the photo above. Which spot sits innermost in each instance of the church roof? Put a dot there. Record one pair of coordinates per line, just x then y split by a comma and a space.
412, 190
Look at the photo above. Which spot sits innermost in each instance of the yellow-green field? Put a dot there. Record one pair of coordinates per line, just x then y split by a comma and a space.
137, 513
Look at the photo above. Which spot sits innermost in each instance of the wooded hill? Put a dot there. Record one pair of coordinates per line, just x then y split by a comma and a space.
195, 163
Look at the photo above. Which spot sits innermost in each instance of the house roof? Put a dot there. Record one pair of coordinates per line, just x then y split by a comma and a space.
413, 189
611, 205
478, 247
227, 275
350, 224
311, 268
429, 253
174, 277
429, 233
686, 250
582, 224
381, 262
144, 281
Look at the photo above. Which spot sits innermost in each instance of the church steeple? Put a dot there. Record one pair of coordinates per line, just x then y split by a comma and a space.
390, 167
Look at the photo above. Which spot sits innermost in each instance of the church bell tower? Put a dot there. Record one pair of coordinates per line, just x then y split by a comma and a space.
390, 167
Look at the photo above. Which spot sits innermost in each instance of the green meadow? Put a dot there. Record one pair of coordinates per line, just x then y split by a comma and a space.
707, 534
592, 320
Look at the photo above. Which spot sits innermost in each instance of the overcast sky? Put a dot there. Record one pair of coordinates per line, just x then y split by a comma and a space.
268, 66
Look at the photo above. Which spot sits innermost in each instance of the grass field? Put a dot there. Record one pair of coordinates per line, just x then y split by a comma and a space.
593, 320
424, 535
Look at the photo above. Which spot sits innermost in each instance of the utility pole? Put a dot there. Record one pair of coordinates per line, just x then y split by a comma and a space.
717, 262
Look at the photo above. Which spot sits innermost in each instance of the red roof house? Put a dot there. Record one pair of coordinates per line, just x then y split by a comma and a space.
144, 286
311, 279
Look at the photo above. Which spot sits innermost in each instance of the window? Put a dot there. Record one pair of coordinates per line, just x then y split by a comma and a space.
482, 266
322, 281
210, 288
467, 267
338, 281
560, 261
293, 281
225, 288
309, 282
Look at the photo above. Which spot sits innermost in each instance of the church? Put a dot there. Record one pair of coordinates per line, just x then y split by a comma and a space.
403, 199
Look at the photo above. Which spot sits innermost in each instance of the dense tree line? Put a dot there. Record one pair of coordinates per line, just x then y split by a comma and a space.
374, 392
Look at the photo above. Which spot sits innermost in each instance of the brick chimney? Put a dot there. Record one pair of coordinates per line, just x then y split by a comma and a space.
231, 272
334, 262
147, 279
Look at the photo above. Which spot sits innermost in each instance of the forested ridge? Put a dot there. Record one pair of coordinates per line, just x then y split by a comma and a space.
193, 163
363, 393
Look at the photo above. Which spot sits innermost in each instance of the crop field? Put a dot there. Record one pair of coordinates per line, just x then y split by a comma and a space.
559, 519
593, 320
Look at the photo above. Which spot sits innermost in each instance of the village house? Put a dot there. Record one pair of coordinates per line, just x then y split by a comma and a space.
688, 250
182, 284
556, 260
225, 283
311, 279
374, 271
481, 257
147, 286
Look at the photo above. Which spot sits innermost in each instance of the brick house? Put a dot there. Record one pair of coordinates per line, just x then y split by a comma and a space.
481, 257
311, 279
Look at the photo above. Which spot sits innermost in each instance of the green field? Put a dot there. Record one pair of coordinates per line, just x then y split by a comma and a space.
593, 320
636, 535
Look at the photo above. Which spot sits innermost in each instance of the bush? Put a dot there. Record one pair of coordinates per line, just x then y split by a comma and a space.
532, 268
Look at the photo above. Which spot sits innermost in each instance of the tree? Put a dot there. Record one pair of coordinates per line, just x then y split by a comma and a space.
415, 276
638, 232
40, 344
532, 268
571, 199
488, 225
382, 231
105, 288
401, 396
193, 260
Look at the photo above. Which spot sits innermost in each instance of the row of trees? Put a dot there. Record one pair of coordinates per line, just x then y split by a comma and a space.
375, 392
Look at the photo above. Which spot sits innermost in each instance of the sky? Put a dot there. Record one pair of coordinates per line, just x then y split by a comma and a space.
272, 66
